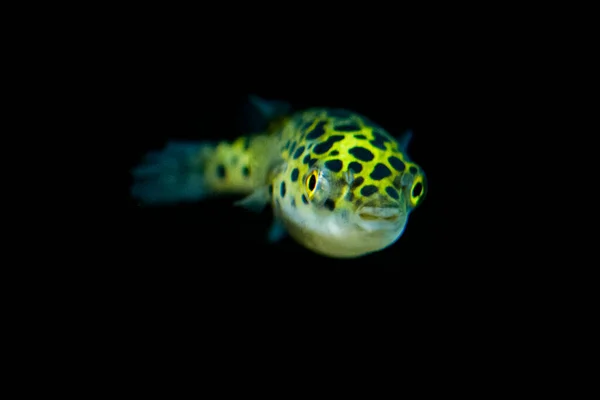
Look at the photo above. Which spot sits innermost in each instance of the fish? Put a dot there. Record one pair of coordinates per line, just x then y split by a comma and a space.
338, 183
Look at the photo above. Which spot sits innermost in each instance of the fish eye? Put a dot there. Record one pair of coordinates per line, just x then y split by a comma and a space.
417, 188
311, 183
417, 191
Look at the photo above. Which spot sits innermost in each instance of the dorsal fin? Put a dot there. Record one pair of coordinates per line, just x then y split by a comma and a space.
259, 114
269, 109
404, 141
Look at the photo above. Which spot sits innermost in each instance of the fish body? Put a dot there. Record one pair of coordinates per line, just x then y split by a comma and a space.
338, 183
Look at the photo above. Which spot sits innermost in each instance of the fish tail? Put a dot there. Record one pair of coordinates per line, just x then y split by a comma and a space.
192, 171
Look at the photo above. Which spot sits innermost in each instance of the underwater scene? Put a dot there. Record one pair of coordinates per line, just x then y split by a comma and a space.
287, 180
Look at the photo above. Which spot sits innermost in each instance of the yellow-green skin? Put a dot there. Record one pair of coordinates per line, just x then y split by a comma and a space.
341, 185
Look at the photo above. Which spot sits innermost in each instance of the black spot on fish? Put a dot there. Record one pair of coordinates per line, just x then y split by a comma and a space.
293, 147
304, 199
377, 144
339, 113
282, 189
392, 192
306, 125
413, 170
299, 152
270, 190
310, 146
221, 171
246, 171
349, 196
294, 175
379, 140
330, 204
246, 143
334, 165
287, 145
360, 136
379, 172
327, 145
355, 166
317, 132
334, 153
309, 161
351, 127
396, 163
368, 190
293, 202
361, 153
357, 182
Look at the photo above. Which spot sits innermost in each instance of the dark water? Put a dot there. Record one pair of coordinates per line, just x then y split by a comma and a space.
215, 236
186, 278
213, 247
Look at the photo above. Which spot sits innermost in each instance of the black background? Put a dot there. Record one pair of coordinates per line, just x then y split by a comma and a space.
214, 234
211, 259
188, 272
167, 93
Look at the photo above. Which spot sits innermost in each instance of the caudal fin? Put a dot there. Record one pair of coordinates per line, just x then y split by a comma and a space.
173, 174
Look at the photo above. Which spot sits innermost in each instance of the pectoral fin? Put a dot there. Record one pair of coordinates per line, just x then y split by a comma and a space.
277, 231
257, 200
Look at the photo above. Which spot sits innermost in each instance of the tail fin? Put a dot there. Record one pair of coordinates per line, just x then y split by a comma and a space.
192, 171
173, 174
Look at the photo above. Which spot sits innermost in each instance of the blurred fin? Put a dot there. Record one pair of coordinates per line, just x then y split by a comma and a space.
259, 113
277, 231
256, 201
171, 175
404, 140
269, 109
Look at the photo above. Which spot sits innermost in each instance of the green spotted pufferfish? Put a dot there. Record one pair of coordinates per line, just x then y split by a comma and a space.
338, 183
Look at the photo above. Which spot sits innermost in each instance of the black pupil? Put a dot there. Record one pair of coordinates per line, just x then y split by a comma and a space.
312, 182
417, 189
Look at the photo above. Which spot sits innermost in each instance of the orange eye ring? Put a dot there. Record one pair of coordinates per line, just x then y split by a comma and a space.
311, 183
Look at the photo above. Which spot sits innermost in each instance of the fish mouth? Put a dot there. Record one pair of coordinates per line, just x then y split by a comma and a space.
389, 214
